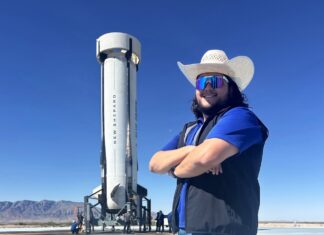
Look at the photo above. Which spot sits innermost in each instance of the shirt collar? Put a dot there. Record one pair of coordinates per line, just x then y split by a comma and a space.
200, 120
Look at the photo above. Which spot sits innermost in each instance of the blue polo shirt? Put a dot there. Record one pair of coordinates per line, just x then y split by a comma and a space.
238, 126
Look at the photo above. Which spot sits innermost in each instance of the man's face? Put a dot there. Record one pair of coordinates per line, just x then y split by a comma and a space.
210, 98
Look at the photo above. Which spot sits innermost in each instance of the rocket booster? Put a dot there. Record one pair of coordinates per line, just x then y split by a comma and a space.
119, 55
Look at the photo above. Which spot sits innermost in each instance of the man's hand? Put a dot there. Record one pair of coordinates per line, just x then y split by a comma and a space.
217, 170
171, 173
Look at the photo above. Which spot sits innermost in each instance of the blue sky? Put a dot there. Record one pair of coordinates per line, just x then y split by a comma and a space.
50, 92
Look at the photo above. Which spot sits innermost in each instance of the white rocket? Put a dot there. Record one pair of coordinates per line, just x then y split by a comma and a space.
119, 55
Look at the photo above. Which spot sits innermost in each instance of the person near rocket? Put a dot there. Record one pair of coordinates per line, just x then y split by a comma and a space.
127, 222
74, 227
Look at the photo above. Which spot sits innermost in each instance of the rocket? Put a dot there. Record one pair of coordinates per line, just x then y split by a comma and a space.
119, 55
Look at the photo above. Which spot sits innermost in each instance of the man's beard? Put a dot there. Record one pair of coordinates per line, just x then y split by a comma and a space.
213, 110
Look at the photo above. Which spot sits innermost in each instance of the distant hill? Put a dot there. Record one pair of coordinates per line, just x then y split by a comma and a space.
42, 211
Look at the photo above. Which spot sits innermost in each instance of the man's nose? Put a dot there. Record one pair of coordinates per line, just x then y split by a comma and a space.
208, 86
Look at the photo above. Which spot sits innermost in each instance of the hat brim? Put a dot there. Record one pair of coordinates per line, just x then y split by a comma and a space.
240, 69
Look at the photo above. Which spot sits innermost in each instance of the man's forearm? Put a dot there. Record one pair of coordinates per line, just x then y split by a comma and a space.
163, 161
189, 168
205, 156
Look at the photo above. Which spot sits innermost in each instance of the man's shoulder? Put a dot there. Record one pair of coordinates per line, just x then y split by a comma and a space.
240, 109
239, 117
245, 116
241, 112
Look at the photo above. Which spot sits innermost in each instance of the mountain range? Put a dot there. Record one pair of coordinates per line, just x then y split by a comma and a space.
38, 211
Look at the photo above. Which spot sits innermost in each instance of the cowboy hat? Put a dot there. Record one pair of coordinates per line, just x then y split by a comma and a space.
240, 69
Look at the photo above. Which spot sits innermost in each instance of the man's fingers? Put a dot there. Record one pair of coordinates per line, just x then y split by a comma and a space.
216, 170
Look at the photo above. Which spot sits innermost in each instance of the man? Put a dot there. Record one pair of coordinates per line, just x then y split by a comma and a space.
161, 221
127, 222
217, 158
158, 222
74, 227
80, 221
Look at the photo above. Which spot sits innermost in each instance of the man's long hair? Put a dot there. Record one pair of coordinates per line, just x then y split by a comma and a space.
235, 98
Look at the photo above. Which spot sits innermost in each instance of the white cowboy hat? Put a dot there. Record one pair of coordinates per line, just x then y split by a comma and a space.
240, 69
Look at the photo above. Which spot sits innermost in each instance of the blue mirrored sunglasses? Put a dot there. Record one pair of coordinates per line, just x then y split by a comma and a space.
215, 81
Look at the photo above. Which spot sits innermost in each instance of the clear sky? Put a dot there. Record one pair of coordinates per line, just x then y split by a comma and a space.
50, 92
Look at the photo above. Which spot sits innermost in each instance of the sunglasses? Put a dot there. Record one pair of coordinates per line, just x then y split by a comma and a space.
215, 81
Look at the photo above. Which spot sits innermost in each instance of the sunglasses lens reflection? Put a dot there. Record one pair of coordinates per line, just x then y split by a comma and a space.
215, 81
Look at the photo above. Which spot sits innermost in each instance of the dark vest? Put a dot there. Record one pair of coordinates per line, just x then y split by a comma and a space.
226, 204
